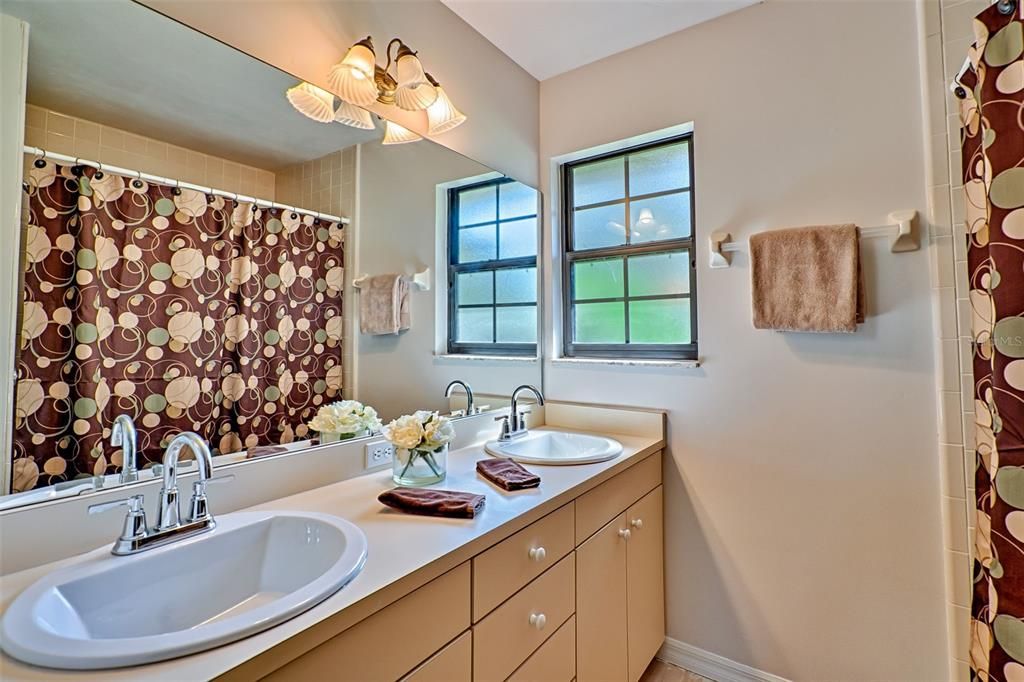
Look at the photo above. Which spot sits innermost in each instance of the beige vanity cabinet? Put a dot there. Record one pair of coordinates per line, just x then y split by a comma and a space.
578, 594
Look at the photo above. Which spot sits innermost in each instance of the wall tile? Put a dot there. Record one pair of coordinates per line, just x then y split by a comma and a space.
959, 626
950, 418
35, 116
958, 580
59, 123
87, 130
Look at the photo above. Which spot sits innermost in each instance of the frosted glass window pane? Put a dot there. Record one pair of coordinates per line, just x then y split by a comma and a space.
475, 325
665, 321
597, 279
475, 287
661, 218
660, 169
517, 325
515, 200
600, 323
518, 238
516, 286
599, 181
477, 243
478, 205
657, 274
601, 226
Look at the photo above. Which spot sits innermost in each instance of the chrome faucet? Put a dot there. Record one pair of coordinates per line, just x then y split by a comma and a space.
123, 435
513, 425
136, 535
470, 407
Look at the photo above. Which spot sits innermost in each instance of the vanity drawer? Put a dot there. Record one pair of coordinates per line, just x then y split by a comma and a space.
392, 641
454, 663
501, 570
507, 637
554, 661
597, 507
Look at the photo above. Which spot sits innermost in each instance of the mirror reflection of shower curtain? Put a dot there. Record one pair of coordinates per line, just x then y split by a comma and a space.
992, 115
186, 311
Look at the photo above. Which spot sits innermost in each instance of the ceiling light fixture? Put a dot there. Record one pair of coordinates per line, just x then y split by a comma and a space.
396, 134
442, 115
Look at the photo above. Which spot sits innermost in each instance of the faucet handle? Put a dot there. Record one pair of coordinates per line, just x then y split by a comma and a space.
200, 508
134, 504
134, 523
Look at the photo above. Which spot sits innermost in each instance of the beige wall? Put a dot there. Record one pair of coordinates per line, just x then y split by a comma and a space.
802, 484
58, 132
306, 38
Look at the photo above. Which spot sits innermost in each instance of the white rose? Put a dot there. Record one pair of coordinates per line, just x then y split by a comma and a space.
370, 419
405, 432
437, 432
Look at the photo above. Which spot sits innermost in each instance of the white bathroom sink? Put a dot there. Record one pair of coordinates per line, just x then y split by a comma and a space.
253, 571
556, 447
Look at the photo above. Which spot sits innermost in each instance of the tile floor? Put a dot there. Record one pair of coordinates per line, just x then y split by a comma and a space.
660, 671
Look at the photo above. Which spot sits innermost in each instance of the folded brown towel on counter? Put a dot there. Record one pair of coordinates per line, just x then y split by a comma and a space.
507, 474
433, 502
264, 450
807, 279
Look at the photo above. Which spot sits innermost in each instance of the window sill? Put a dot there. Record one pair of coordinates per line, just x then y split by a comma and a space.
626, 362
528, 359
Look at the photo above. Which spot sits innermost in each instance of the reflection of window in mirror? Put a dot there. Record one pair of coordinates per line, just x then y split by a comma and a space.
628, 264
492, 268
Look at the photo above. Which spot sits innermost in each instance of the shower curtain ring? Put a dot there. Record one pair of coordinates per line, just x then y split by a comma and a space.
1006, 7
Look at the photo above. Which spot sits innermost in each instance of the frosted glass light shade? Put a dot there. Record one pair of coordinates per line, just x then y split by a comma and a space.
311, 101
352, 77
353, 116
414, 91
442, 115
396, 134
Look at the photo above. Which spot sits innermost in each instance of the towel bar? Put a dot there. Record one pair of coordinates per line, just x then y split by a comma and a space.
420, 280
903, 222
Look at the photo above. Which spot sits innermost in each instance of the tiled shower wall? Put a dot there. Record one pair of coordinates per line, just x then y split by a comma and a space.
948, 34
57, 132
328, 185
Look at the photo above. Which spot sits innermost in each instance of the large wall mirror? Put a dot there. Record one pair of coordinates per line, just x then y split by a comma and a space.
188, 249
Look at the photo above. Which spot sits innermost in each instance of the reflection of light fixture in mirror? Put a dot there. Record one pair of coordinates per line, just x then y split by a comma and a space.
311, 101
646, 217
353, 77
396, 134
442, 115
353, 116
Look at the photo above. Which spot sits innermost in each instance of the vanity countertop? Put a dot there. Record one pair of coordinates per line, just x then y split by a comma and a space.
405, 552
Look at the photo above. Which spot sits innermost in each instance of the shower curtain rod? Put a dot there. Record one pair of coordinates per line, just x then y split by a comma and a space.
117, 170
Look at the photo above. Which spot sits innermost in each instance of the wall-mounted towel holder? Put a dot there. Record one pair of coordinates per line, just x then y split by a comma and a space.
420, 280
902, 228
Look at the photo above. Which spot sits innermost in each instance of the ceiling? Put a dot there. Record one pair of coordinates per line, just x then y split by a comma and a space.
551, 37
121, 64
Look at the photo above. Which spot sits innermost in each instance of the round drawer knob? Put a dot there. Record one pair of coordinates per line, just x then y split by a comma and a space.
624, 533
637, 523
538, 620
538, 554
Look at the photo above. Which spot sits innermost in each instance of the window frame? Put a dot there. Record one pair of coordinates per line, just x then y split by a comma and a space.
570, 255
455, 269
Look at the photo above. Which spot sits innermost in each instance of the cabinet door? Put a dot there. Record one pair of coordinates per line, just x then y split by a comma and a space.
645, 581
601, 604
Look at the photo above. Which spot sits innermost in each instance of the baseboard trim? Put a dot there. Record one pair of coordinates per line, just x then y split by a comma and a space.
711, 666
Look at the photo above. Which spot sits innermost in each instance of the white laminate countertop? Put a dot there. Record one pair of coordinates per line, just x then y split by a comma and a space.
405, 551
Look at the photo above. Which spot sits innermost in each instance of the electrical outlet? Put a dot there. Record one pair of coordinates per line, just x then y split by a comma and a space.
379, 453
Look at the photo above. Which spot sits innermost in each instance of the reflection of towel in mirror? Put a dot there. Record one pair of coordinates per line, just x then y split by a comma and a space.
384, 305
264, 450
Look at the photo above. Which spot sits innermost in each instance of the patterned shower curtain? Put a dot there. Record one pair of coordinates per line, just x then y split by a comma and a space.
188, 312
992, 113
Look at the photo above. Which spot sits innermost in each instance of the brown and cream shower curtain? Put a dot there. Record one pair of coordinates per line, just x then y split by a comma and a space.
189, 312
992, 112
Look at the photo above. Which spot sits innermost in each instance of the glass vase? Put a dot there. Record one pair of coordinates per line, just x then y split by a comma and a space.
420, 467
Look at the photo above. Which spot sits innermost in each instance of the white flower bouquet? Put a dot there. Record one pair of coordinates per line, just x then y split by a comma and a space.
344, 419
421, 444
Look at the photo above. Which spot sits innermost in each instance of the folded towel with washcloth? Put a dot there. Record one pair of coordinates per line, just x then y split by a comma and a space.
807, 279
430, 502
507, 474
384, 305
